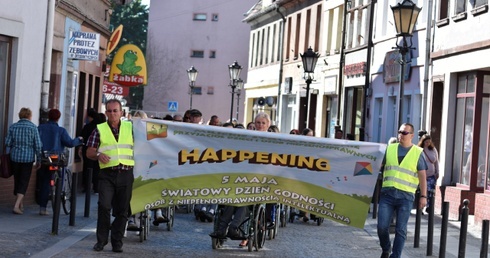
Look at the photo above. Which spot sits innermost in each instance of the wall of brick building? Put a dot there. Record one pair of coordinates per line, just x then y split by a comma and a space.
455, 196
482, 208
7, 197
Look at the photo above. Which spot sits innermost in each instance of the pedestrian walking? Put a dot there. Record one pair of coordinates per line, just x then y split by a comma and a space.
404, 168
111, 144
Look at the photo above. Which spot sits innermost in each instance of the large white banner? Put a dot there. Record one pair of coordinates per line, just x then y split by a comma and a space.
182, 163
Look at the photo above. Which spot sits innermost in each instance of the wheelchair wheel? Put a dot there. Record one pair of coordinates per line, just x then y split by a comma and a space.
277, 220
142, 233
250, 245
170, 217
147, 224
216, 243
283, 216
143, 226
319, 221
260, 228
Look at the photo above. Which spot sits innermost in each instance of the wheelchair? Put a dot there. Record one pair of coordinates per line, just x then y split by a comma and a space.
275, 216
285, 211
168, 214
252, 228
280, 215
144, 229
299, 213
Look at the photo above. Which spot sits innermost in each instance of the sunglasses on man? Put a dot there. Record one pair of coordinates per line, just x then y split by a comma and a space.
404, 132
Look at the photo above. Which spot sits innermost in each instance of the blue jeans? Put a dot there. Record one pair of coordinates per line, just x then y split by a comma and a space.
393, 200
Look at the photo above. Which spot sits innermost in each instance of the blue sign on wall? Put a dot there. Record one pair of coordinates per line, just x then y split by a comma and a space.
173, 106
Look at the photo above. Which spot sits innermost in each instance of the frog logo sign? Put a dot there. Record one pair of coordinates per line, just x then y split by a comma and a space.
128, 67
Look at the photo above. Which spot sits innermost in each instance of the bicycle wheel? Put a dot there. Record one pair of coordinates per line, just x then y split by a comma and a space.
66, 191
52, 189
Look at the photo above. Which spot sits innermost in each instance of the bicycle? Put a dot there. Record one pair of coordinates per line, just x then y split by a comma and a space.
57, 165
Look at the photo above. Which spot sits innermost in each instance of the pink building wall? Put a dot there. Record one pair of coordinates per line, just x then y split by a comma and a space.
172, 36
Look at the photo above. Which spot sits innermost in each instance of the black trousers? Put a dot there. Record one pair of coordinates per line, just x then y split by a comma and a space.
22, 175
115, 189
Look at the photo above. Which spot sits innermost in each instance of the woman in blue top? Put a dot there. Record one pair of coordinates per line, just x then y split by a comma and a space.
54, 139
25, 145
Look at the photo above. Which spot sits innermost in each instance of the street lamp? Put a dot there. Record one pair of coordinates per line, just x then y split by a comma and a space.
192, 73
405, 15
309, 59
234, 70
239, 87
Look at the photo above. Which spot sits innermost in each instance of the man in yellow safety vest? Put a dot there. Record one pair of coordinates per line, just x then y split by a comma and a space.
112, 145
404, 168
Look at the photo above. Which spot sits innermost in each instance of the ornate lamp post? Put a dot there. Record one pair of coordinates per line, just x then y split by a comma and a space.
405, 14
309, 59
192, 73
239, 87
234, 70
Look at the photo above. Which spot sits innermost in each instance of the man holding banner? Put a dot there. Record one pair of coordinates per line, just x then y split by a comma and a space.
404, 168
112, 145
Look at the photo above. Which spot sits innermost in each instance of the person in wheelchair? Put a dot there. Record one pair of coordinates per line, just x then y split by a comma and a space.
229, 222
159, 217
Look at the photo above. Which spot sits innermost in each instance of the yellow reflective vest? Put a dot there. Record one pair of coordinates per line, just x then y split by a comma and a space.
402, 176
121, 151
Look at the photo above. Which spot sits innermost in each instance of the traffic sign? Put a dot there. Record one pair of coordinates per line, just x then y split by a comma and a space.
173, 106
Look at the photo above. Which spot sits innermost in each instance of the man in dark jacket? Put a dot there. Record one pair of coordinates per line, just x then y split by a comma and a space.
88, 128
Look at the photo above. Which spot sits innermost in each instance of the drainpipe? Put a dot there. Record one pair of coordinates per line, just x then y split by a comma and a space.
367, 82
426, 66
341, 66
48, 47
281, 64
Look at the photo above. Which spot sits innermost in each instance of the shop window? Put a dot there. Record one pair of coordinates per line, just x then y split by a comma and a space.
210, 90
212, 54
471, 130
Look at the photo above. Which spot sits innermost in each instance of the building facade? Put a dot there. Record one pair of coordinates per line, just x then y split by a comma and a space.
208, 35
458, 103
358, 77
281, 31
37, 71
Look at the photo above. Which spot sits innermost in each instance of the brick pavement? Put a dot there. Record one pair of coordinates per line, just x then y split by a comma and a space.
29, 235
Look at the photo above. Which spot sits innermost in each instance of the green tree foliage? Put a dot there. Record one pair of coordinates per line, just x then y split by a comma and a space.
134, 18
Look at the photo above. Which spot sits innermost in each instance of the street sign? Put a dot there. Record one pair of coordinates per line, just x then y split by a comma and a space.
173, 106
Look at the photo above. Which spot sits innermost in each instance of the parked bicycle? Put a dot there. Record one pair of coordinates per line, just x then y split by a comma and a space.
58, 166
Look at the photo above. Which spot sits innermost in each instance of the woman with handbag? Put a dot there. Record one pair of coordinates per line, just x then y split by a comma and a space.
25, 149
